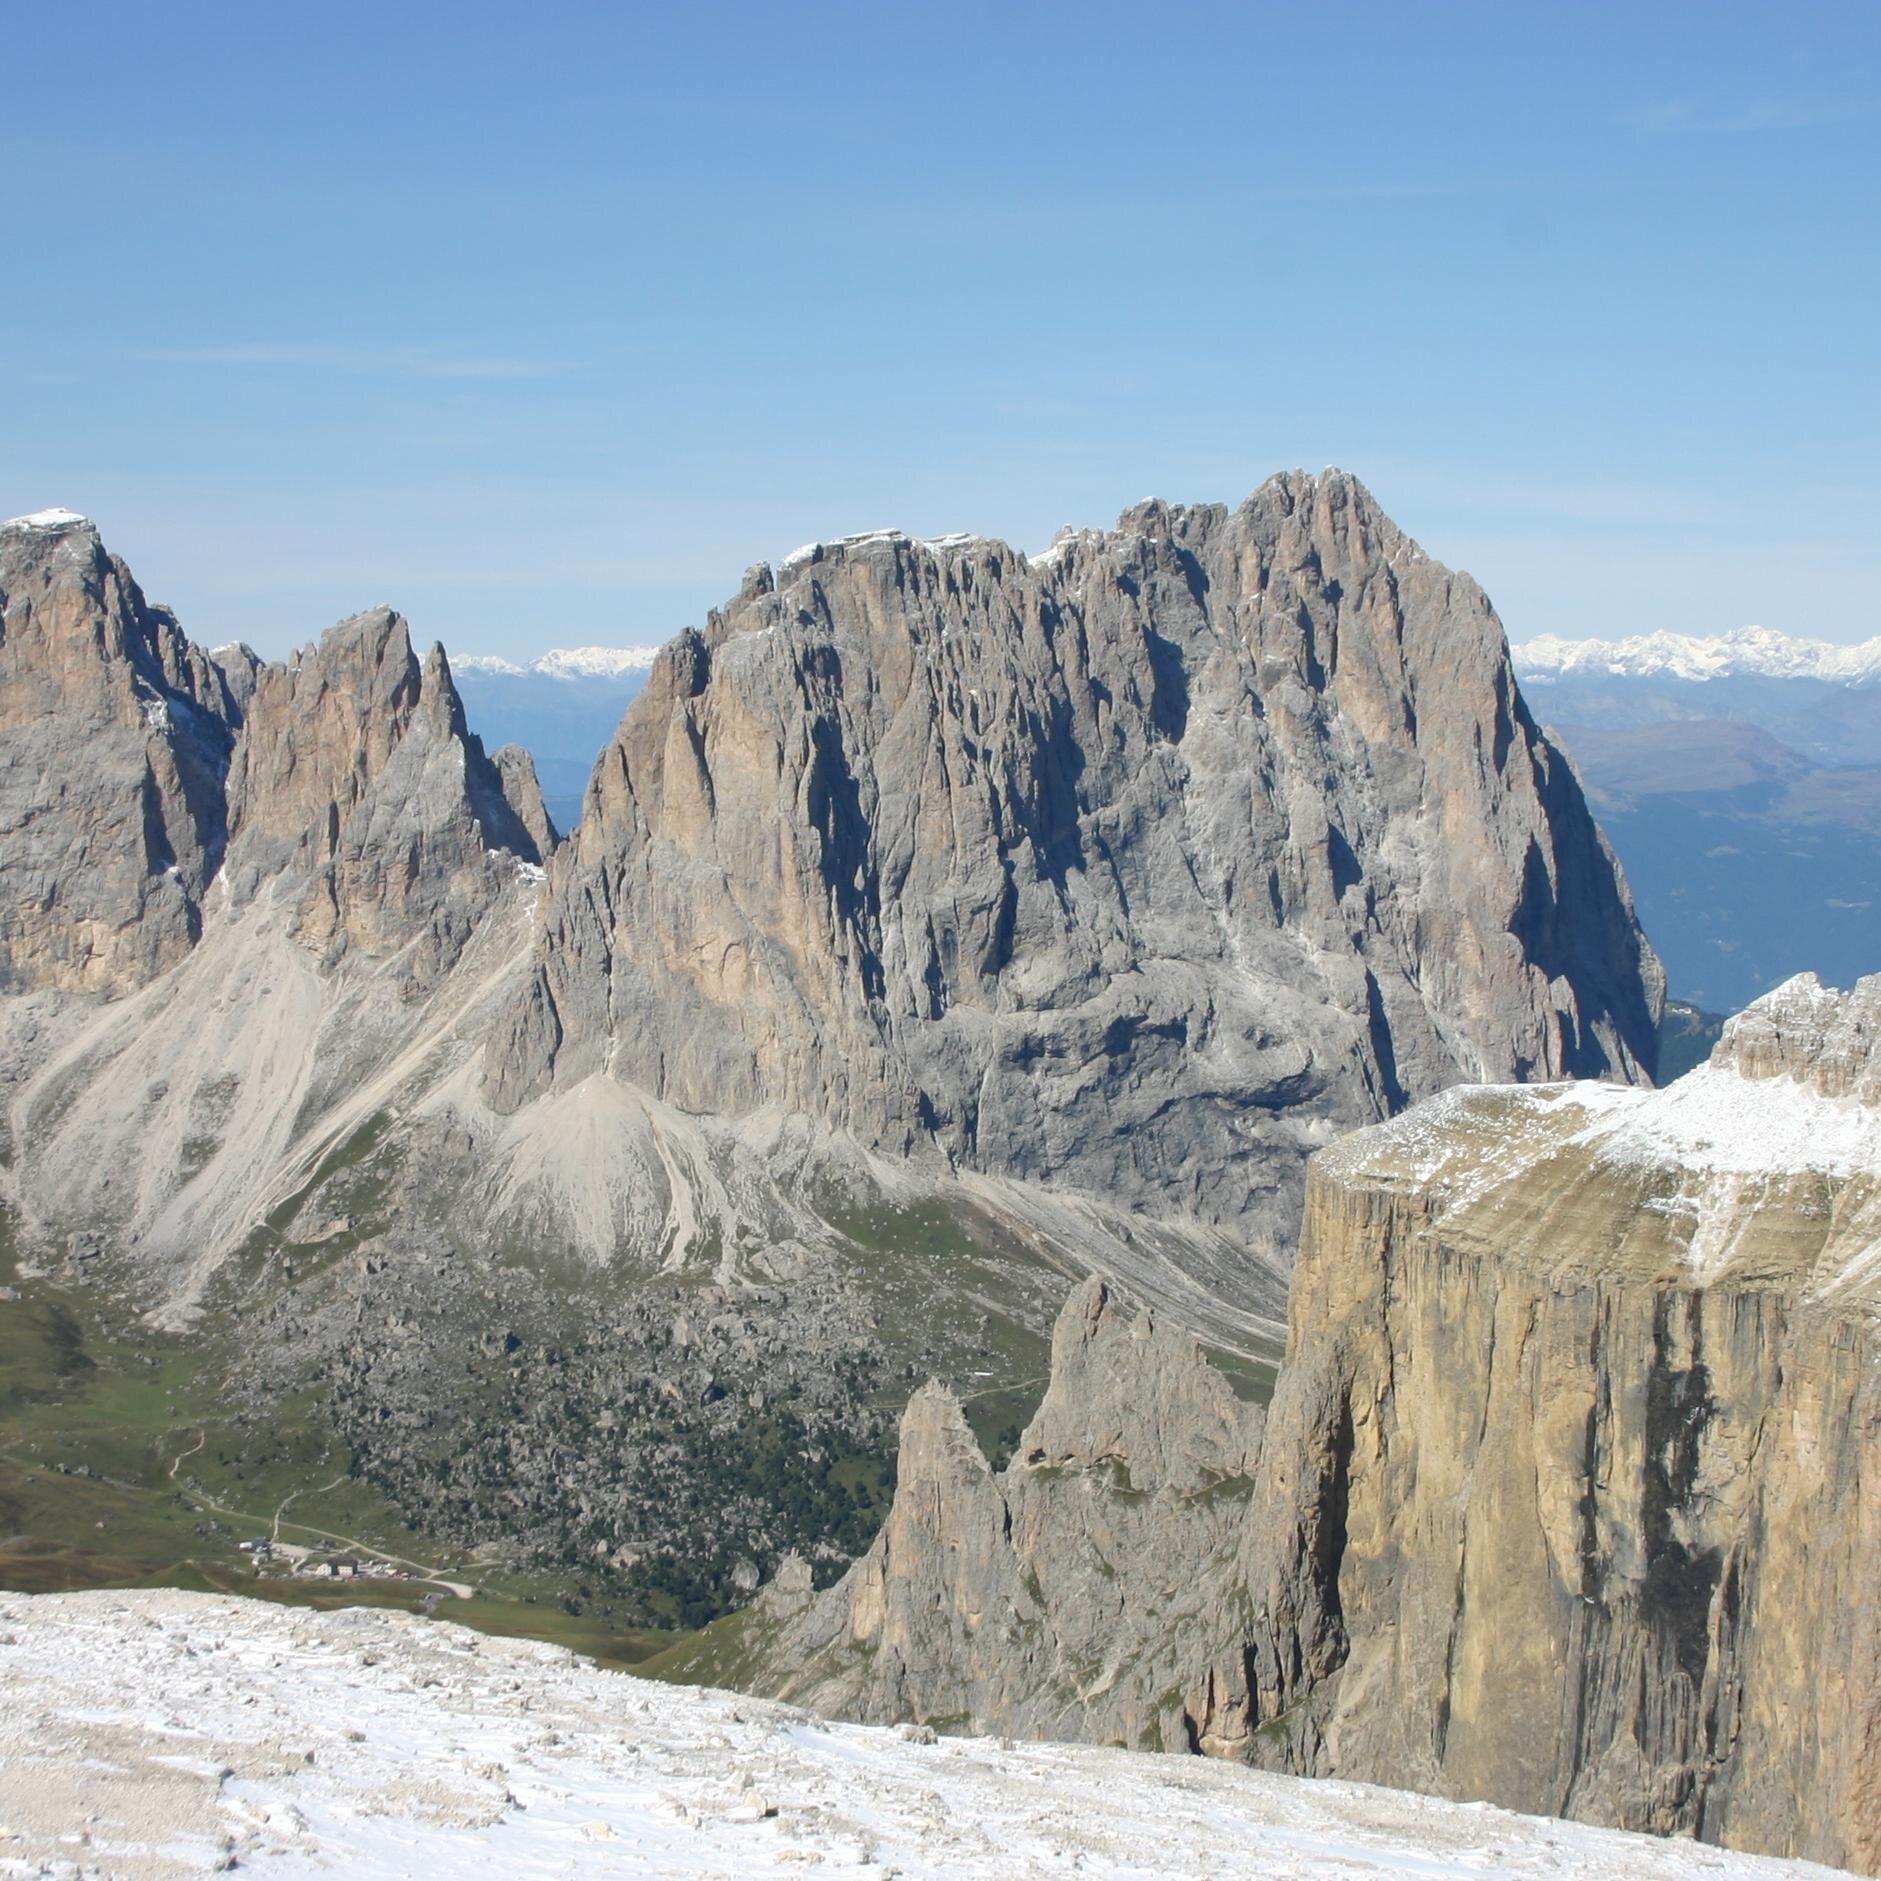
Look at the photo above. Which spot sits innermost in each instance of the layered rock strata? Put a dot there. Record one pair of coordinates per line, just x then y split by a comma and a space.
1570, 1491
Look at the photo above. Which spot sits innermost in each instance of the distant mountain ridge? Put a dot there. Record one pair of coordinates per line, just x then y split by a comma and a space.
1739, 777
562, 708
1749, 652
568, 663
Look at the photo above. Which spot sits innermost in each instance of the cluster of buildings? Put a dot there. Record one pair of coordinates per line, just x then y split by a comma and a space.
318, 1562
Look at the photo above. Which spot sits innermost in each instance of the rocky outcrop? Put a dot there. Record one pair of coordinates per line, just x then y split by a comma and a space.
1137, 868
1567, 1498
1569, 1494
1131, 1390
522, 794
115, 735
349, 767
358, 775
1066, 1595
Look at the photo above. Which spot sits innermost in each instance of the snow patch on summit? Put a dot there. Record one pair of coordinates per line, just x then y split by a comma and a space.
50, 520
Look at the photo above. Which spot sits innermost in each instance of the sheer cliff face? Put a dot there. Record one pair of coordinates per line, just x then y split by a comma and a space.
115, 736
1137, 866
358, 774
1571, 1494
1569, 1497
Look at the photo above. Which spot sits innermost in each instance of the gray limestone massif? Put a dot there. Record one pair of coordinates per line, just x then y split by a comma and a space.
1136, 869
1568, 1498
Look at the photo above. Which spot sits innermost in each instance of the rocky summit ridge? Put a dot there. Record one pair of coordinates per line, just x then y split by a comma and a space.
350, 765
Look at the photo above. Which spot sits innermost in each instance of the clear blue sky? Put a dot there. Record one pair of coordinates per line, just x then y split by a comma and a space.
541, 322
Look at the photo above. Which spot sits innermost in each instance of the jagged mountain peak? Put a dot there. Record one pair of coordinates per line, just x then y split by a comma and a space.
1285, 493
1123, 865
115, 735
358, 769
1128, 1387
1047, 1597
194, 761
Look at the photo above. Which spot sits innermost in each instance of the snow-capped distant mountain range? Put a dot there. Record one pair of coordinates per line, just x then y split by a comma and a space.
1820, 698
1739, 777
563, 707
1750, 652
569, 663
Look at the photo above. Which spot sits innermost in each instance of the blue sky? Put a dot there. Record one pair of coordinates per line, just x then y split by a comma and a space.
542, 323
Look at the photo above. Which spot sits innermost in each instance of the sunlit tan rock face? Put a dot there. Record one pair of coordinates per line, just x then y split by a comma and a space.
358, 774
115, 736
1571, 1491
1137, 867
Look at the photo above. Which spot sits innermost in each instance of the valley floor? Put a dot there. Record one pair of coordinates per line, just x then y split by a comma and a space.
153, 1734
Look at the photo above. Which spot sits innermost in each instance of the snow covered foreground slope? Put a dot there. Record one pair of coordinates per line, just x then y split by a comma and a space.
157, 1734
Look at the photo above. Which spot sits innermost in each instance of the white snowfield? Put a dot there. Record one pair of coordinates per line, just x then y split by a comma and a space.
1758, 651
156, 1734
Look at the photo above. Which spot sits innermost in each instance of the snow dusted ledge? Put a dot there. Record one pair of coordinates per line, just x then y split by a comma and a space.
1766, 1159
154, 1735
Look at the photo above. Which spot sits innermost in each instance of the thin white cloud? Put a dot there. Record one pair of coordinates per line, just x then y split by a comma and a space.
1673, 115
414, 362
